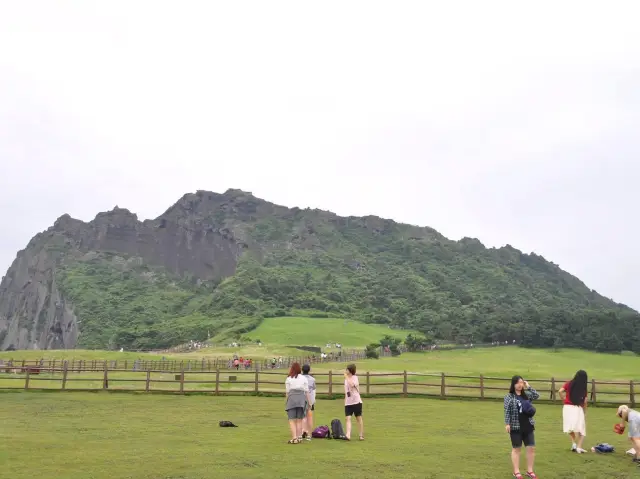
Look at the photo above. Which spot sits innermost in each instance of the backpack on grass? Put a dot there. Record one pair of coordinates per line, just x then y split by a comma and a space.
227, 424
321, 432
603, 448
336, 430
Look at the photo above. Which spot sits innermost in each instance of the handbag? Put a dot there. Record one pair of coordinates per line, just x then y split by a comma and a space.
527, 407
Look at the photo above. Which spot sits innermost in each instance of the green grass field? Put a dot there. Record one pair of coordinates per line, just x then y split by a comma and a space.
118, 436
320, 331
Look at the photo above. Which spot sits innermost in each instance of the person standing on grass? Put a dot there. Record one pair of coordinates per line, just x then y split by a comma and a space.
352, 401
308, 424
574, 397
633, 418
519, 423
297, 389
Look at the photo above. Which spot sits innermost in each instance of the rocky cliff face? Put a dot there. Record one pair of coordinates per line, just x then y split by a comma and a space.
185, 240
215, 265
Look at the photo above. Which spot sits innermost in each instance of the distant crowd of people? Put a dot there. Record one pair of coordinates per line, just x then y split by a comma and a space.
519, 413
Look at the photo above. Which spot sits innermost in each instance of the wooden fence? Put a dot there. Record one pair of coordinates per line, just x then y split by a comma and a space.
267, 382
174, 365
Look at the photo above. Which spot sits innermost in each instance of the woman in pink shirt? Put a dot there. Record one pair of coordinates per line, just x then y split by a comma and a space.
352, 400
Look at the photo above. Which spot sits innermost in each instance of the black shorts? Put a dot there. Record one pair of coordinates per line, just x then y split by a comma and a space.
517, 438
353, 410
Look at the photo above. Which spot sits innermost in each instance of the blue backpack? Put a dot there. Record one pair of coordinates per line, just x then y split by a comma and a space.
604, 447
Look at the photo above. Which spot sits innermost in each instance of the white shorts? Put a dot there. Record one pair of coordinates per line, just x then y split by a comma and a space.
573, 420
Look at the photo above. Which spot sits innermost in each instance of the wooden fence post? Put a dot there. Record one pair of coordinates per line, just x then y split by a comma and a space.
368, 384
217, 382
405, 386
147, 383
553, 389
443, 390
256, 383
65, 369
26, 380
330, 384
632, 394
593, 391
182, 379
23, 364
481, 386
105, 379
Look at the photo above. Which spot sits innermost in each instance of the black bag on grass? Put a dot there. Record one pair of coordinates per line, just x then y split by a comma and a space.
336, 430
227, 424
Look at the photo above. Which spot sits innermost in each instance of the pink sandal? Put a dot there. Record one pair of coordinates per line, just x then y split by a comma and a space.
532, 475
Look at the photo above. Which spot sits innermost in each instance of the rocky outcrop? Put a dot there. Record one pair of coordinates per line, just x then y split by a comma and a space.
195, 236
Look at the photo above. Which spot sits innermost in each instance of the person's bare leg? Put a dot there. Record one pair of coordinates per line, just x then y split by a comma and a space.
292, 428
309, 422
531, 455
636, 445
299, 427
515, 460
360, 426
348, 427
579, 443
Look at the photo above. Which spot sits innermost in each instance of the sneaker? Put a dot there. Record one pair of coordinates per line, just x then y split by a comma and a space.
574, 447
579, 450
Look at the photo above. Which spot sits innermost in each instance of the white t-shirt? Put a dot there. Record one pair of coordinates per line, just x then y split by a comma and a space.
299, 383
312, 388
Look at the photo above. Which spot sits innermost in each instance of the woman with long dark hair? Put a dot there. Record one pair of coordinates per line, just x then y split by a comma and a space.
297, 388
574, 397
519, 423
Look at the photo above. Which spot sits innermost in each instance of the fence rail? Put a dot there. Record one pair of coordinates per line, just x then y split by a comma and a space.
329, 384
174, 365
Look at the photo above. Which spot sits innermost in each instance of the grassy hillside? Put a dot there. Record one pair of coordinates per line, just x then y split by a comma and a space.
107, 436
298, 262
320, 331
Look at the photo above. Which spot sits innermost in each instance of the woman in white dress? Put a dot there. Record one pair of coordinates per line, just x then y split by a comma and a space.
574, 397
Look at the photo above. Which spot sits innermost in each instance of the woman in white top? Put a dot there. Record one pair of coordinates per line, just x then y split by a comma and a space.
297, 388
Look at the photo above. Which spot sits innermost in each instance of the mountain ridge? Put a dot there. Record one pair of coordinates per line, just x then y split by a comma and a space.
221, 262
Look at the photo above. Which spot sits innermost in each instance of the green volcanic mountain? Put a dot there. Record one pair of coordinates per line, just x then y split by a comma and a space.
217, 264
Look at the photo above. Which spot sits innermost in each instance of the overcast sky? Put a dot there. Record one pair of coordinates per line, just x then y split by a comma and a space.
512, 122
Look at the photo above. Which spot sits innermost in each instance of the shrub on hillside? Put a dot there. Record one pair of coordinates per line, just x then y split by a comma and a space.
371, 351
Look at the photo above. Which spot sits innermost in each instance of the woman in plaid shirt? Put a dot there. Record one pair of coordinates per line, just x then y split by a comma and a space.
519, 423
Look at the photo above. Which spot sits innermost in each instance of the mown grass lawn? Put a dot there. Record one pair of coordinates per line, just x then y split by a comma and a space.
294, 331
117, 436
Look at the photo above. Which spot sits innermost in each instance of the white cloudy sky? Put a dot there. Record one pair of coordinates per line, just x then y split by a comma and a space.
508, 121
